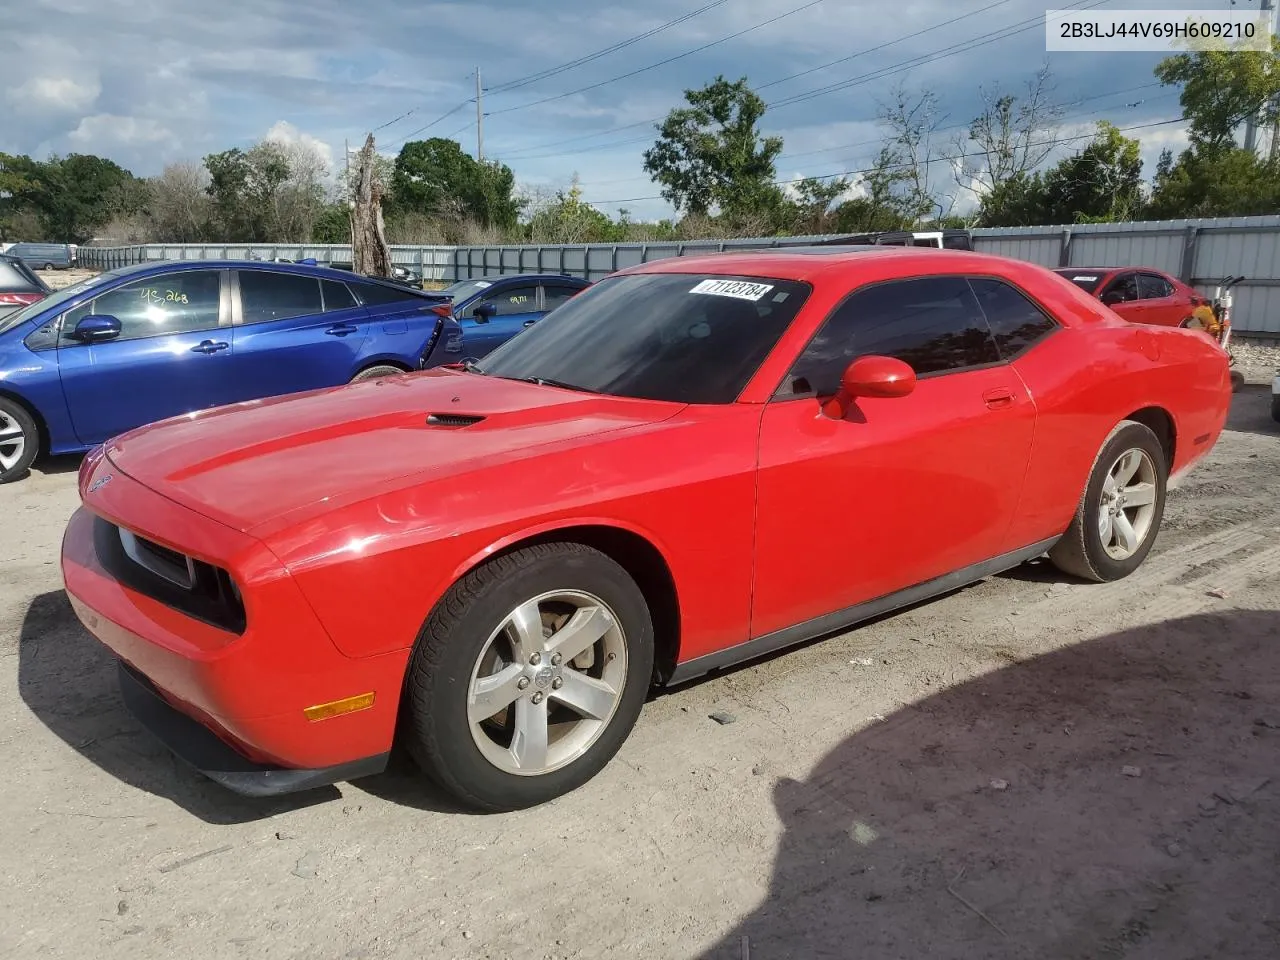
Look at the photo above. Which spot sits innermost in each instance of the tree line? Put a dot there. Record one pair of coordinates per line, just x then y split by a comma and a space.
715, 166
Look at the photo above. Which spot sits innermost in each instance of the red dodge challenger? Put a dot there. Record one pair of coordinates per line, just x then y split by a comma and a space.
692, 463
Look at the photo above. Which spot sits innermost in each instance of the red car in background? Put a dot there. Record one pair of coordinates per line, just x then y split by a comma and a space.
1140, 294
692, 463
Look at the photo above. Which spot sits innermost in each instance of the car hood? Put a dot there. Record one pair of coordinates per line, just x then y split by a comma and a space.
249, 463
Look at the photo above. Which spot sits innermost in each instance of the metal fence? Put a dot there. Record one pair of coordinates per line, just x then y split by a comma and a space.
1200, 252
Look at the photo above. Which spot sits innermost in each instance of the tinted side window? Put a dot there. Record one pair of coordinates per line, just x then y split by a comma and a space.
277, 296
375, 294
554, 296
1153, 287
168, 303
1015, 322
514, 300
337, 296
934, 324
1126, 287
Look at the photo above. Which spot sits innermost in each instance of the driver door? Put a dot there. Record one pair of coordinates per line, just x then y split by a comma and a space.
901, 490
172, 356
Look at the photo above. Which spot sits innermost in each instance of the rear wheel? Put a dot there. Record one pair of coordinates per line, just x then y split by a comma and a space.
1275, 409
381, 370
528, 676
1119, 515
19, 440
48, 266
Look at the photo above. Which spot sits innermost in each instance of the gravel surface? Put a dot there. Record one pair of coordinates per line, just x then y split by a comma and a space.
1028, 768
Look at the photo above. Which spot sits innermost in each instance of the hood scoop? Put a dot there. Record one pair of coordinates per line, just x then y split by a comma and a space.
452, 419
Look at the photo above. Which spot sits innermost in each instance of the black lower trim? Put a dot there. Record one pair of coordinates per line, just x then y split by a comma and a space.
200, 748
843, 619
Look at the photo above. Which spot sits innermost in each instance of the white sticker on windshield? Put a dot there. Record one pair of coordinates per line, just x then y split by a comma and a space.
1079, 279
483, 283
739, 289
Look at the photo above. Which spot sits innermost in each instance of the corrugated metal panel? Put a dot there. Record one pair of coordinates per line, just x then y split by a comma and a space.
1223, 246
1036, 248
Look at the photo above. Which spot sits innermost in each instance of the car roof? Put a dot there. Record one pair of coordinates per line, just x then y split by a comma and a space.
504, 277
809, 263
315, 270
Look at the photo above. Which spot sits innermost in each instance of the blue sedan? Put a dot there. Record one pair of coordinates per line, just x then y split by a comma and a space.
146, 342
494, 309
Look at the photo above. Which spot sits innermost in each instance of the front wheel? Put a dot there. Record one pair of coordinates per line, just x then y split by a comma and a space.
528, 676
19, 440
1119, 515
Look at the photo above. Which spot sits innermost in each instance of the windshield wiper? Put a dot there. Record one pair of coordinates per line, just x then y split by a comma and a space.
472, 367
544, 382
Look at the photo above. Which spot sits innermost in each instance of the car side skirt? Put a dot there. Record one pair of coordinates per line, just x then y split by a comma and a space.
832, 623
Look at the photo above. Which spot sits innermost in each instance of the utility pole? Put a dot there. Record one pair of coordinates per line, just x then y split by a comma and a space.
1251, 125
480, 116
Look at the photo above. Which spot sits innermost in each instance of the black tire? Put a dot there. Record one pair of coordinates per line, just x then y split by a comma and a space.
13, 414
381, 370
48, 266
435, 727
1275, 409
1080, 552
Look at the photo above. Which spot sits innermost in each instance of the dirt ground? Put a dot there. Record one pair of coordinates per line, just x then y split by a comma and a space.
1027, 768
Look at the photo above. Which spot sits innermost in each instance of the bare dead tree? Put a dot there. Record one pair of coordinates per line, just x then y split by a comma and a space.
913, 122
369, 252
1010, 138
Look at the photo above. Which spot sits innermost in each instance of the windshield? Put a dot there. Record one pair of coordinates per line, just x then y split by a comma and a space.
678, 337
1086, 280
465, 288
53, 300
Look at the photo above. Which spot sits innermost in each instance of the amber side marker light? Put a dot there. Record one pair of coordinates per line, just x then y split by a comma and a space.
336, 708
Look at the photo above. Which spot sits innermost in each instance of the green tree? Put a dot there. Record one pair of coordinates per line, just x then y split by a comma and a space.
74, 195
244, 186
333, 225
812, 203
437, 178
711, 153
569, 219
1222, 88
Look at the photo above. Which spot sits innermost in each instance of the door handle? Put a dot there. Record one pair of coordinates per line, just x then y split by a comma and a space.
530, 323
998, 397
341, 329
210, 346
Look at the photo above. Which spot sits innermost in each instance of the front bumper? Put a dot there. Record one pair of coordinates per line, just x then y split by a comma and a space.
249, 690
200, 748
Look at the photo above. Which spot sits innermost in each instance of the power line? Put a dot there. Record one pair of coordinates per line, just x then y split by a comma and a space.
890, 43
1021, 27
444, 116
660, 63
954, 157
973, 43
552, 71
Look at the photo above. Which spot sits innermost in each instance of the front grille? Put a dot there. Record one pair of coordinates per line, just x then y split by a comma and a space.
198, 589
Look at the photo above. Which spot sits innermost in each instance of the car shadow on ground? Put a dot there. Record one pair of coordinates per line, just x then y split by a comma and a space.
52, 466
68, 680
1251, 411
1111, 799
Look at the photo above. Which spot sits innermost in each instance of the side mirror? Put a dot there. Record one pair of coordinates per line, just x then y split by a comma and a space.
872, 376
483, 312
95, 328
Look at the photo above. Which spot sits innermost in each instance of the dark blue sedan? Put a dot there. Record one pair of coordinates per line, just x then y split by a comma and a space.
494, 309
146, 342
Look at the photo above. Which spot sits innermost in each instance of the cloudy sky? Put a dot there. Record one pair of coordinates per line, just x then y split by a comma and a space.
147, 82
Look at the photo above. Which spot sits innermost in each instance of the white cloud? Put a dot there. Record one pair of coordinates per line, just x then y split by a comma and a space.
284, 132
103, 133
60, 94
